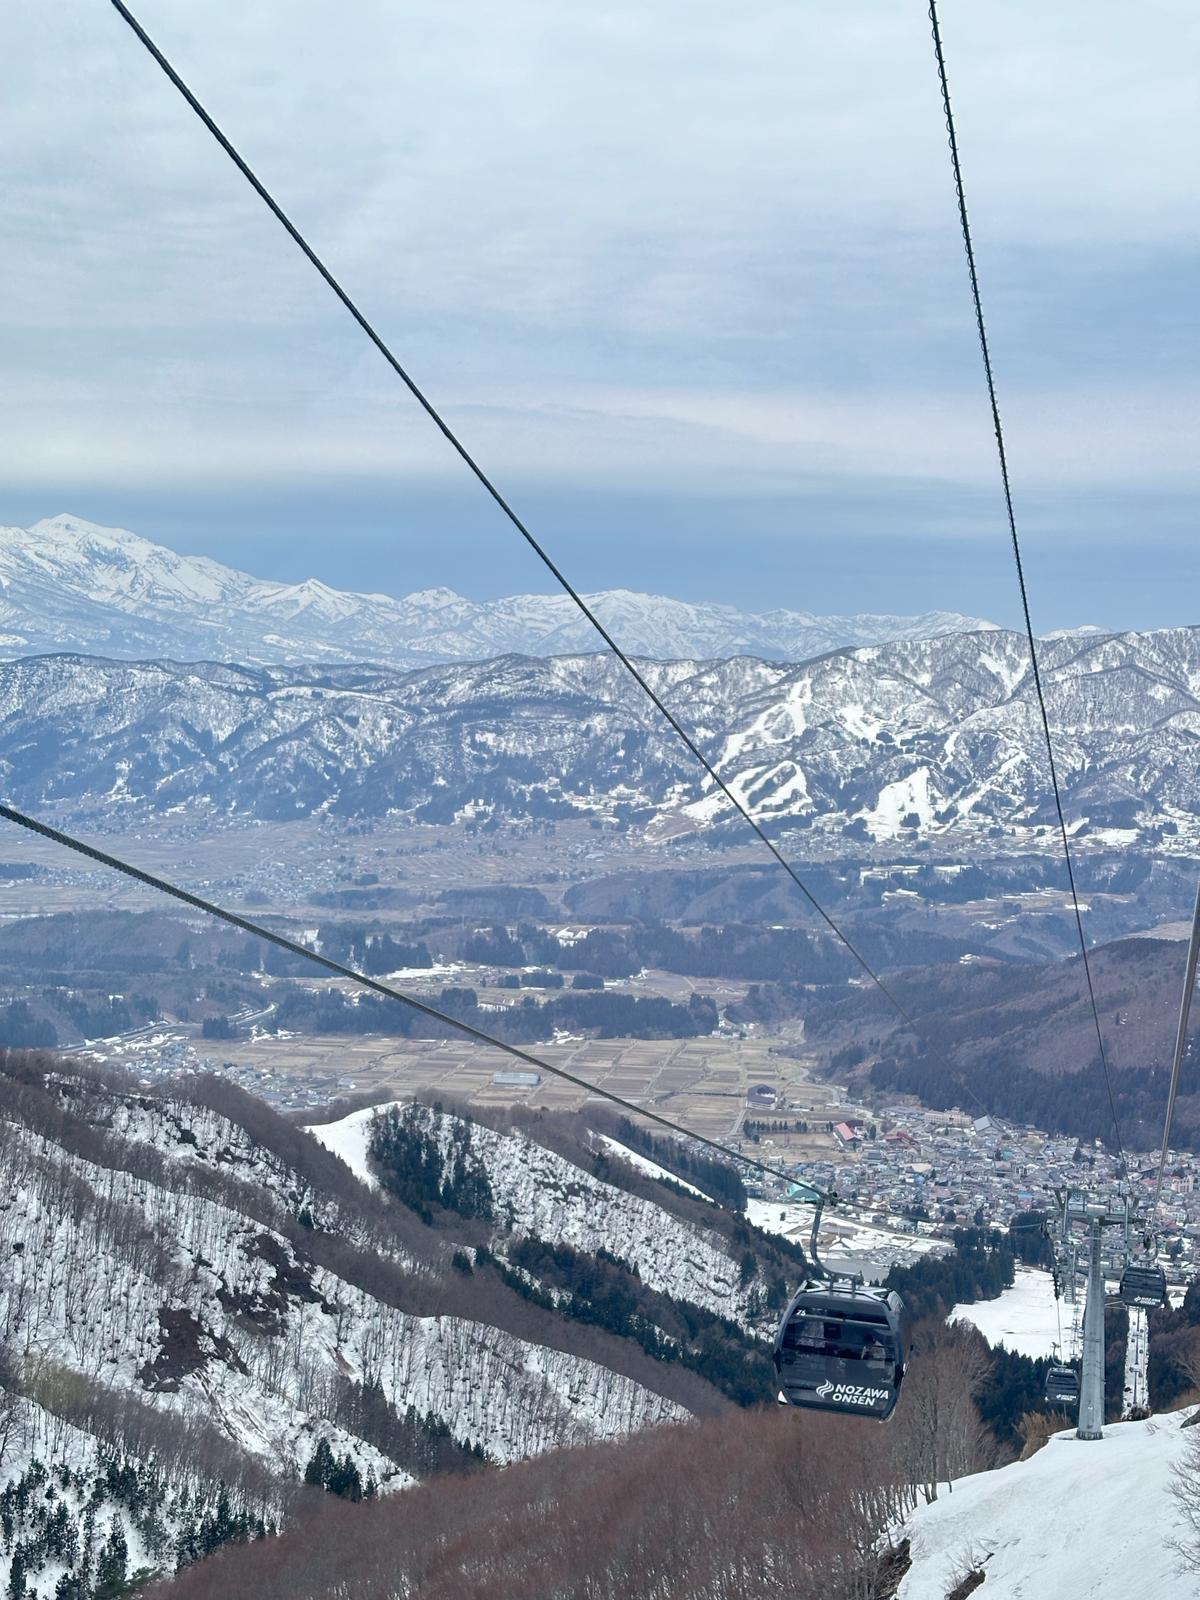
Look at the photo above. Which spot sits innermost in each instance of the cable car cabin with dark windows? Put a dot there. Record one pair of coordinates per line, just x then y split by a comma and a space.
842, 1347
1144, 1285
1062, 1386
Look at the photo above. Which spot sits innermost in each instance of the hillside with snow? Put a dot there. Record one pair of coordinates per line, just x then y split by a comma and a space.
550, 1198
910, 741
1078, 1521
68, 584
1025, 1318
202, 1291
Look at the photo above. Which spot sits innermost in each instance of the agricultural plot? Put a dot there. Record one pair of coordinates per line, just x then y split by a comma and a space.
700, 1082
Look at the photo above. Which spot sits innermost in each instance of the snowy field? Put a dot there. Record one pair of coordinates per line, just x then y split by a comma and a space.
1076, 1522
652, 1168
348, 1138
1023, 1318
847, 1243
785, 1218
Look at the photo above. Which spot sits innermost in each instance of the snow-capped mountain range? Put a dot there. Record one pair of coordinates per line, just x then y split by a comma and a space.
66, 584
901, 741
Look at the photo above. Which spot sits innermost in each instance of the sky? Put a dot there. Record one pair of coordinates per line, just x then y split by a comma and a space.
687, 279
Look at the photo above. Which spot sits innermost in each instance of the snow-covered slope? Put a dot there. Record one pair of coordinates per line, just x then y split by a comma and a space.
82, 1507
67, 584
348, 1139
652, 1169
903, 741
216, 1315
221, 1268
550, 1198
1025, 1318
201, 1261
1077, 1521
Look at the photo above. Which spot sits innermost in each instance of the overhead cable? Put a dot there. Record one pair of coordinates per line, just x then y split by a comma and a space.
1181, 1032
282, 942
490, 488
1002, 453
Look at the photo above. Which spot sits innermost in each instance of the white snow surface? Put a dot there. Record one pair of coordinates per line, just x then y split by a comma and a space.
1078, 1521
651, 1168
348, 1138
790, 1219
1023, 1318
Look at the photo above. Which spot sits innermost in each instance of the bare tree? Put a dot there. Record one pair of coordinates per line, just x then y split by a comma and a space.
1185, 1491
9, 1398
940, 1433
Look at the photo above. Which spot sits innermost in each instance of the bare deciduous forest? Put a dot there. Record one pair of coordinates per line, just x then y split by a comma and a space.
747, 1507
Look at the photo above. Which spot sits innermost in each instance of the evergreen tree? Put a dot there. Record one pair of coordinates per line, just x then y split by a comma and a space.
320, 1465
111, 1567
345, 1479
224, 1525
16, 1575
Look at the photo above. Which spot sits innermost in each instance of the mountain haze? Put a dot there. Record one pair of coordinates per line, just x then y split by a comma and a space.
67, 584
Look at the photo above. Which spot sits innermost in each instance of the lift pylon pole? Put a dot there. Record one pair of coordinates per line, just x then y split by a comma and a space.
1091, 1388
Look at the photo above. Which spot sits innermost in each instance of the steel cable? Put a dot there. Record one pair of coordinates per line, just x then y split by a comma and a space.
282, 942
1002, 453
490, 488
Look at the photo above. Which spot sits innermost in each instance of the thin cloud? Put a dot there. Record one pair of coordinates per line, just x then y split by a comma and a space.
672, 246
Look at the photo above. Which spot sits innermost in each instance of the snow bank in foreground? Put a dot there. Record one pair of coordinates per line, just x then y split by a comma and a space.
1023, 1318
1076, 1522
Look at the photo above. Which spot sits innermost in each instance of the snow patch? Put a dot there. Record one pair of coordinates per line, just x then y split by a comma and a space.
349, 1137
652, 1168
1025, 1318
1078, 1521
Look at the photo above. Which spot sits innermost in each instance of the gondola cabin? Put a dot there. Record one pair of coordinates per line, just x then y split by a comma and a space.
842, 1347
1062, 1386
1143, 1284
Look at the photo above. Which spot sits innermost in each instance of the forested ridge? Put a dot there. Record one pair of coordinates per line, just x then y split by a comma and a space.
182, 1256
1019, 1042
606, 1014
760, 1504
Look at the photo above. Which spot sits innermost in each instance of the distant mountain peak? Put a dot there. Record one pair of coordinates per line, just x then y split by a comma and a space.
85, 536
434, 597
66, 523
70, 584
